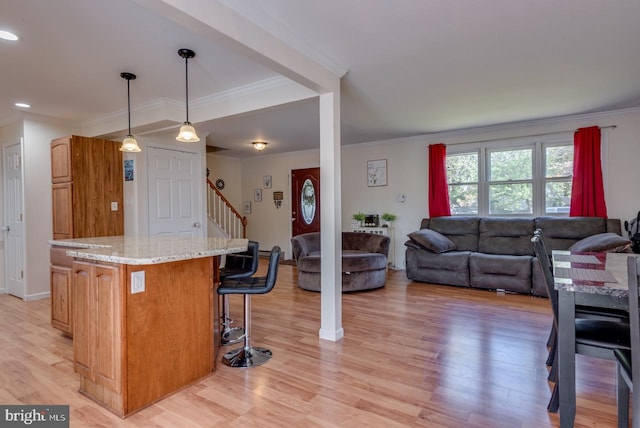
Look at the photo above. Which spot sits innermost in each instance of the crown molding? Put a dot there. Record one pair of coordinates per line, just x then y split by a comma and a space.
504, 127
202, 109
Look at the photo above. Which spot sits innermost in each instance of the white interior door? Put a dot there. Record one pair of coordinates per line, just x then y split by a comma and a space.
175, 192
13, 228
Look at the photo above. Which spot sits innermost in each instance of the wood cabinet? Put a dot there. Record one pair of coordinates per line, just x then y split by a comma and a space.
61, 290
97, 343
86, 179
132, 349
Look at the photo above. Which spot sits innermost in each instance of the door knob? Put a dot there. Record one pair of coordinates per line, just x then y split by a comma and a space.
5, 228
196, 224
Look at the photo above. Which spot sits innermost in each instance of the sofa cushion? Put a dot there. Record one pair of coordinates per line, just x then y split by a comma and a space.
432, 240
310, 263
463, 231
496, 271
609, 242
511, 236
446, 268
562, 232
362, 261
352, 261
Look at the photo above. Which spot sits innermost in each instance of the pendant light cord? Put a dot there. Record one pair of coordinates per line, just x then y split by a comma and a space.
129, 104
186, 83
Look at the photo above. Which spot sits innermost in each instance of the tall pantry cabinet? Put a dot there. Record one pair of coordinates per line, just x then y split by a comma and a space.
87, 196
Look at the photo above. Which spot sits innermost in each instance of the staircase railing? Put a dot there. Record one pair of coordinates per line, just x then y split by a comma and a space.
224, 214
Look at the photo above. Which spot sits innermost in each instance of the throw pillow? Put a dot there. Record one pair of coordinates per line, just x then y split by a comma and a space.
602, 242
432, 240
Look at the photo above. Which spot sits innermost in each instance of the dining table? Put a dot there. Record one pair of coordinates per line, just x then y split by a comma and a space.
587, 279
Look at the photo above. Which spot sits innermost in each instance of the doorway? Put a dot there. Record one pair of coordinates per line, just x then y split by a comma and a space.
305, 201
13, 228
175, 192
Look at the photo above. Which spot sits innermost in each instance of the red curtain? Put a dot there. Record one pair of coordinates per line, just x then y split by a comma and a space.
438, 189
587, 189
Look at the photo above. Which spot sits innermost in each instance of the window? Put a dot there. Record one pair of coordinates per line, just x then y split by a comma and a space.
558, 170
462, 175
519, 178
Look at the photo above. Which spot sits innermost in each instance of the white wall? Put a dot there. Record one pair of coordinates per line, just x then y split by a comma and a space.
230, 170
267, 224
407, 163
37, 203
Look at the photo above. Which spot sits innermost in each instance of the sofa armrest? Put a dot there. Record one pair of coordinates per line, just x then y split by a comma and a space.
304, 244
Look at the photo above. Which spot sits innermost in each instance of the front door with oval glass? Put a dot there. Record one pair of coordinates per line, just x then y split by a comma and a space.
305, 204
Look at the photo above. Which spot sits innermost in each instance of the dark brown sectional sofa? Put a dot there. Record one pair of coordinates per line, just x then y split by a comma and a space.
494, 253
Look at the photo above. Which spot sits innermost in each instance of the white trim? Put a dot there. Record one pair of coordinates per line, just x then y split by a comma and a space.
473, 132
37, 296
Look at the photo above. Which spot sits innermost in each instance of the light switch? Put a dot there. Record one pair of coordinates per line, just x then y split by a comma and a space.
114, 206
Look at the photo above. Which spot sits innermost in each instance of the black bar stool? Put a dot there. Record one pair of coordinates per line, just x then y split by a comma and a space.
249, 356
237, 265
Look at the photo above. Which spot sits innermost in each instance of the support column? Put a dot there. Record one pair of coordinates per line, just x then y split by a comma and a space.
330, 217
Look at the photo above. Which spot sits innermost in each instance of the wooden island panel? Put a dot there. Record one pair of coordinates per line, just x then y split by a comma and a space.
169, 329
132, 350
97, 346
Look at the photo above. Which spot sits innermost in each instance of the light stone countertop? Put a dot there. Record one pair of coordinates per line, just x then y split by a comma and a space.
146, 250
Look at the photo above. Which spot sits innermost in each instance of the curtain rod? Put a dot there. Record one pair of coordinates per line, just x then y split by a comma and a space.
532, 135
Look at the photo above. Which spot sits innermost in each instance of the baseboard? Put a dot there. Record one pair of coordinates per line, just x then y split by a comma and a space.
37, 296
267, 253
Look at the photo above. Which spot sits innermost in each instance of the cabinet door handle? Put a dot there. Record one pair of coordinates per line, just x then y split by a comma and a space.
5, 228
196, 225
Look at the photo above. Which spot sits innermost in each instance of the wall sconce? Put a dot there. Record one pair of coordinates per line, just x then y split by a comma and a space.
259, 145
277, 198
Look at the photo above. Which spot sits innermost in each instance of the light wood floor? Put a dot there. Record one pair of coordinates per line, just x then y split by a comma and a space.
414, 355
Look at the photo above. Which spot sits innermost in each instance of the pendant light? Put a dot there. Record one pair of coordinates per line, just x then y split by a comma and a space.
187, 132
129, 144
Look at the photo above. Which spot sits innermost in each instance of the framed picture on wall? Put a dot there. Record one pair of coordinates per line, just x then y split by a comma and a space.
377, 173
257, 195
246, 207
266, 181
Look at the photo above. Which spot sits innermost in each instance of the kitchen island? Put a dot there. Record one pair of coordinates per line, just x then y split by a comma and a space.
145, 318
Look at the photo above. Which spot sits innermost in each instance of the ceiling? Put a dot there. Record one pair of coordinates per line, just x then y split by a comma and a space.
409, 67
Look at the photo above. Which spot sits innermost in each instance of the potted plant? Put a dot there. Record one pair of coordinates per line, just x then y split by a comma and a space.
388, 218
359, 217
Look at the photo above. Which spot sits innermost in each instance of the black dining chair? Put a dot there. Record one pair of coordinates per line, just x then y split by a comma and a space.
626, 371
248, 355
610, 314
594, 337
237, 265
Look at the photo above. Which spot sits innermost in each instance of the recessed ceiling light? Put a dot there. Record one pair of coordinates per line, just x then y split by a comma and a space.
6, 35
23, 105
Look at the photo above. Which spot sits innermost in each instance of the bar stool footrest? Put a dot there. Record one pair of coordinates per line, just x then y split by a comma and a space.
232, 335
243, 357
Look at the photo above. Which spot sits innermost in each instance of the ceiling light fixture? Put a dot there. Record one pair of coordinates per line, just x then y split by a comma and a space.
187, 131
259, 145
6, 35
129, 144
22, 105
